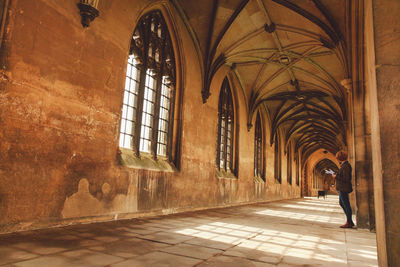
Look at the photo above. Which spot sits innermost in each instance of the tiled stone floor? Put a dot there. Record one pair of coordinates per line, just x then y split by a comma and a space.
301, 232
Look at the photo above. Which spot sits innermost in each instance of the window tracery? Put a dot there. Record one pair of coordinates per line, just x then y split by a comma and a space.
147, 110
258, 149
225, 128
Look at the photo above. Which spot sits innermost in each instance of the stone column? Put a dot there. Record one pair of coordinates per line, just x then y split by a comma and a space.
358, 146
349, 123
359, 110
382, 36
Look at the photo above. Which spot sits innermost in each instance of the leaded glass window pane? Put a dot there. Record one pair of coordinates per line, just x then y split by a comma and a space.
129, 106
289, 164
278, 170
149, 93
258, 149
225, 128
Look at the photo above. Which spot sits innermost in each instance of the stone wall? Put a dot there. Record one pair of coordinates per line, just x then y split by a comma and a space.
60, 101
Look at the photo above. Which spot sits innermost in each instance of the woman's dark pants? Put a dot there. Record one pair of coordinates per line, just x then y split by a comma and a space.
345, 204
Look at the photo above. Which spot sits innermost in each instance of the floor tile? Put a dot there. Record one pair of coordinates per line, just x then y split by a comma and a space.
222, 261
156, 259
81, 257
129, 248
10, 255
260, 254
169, 238
209, 243
40, 247
192, 251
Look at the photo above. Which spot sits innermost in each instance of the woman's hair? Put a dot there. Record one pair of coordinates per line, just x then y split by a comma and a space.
341, 155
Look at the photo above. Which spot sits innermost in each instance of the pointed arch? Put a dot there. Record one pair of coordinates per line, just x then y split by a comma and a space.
289, 163
226, 129
149, 108
259, 148
278, 157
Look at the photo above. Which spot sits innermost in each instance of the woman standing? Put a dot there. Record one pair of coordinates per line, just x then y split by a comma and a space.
344, 186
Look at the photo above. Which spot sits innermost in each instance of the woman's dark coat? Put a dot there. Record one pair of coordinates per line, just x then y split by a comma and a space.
343, 178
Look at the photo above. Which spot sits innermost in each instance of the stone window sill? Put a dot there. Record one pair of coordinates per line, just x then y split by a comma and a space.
225, 174
127, 158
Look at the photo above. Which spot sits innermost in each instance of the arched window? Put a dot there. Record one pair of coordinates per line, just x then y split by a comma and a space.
147, 110
314, 180
298, 169
226, 124
278, 158
258, 149
289, 164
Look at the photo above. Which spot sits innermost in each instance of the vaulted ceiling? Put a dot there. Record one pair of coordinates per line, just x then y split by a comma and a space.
288, 57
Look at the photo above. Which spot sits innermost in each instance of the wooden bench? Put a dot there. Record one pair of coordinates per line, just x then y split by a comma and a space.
321, 193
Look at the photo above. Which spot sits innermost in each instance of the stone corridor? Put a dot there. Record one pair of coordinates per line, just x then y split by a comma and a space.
302, 232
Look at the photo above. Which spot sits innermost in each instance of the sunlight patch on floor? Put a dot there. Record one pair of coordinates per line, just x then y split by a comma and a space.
287, 232
300, 216
267, 240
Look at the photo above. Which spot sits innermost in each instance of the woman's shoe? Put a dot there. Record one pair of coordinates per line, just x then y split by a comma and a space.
347, 225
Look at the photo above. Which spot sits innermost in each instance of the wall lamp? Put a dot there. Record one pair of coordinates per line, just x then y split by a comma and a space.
88, 11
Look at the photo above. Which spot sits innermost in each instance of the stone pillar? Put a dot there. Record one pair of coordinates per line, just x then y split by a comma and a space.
349, 124
382, 35
360, 121
358, 146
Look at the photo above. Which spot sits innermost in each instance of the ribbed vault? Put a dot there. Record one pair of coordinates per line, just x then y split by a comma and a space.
288, 57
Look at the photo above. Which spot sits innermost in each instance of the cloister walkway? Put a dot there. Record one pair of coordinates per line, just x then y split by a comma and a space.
302, 232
